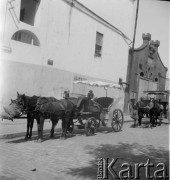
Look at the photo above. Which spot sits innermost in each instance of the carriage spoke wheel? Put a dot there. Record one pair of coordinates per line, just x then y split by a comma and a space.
91, 125
117, 120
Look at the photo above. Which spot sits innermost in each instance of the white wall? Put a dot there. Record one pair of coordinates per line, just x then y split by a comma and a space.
32, 80
67, 36
74, 45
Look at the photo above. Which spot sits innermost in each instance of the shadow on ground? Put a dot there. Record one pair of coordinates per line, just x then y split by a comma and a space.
146, 122
79, 130
126, 153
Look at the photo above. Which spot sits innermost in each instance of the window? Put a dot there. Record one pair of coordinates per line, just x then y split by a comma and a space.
22, 14
98, 45
141, 74
28, 11
27, 37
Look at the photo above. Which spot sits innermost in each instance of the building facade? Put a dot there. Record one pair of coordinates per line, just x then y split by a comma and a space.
45, 43
146, 72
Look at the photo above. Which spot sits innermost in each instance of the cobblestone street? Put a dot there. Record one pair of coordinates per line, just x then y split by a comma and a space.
76, 157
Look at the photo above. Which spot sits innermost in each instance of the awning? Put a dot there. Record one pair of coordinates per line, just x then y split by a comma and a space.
98, 83
158, 92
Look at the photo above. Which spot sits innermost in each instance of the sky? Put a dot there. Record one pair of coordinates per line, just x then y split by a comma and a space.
116, 12
153, 18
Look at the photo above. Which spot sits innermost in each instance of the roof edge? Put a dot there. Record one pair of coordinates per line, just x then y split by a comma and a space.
162, 62
143, 46
79, 6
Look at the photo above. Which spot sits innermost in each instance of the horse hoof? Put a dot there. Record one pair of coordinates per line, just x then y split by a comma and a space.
26, 138
51, 136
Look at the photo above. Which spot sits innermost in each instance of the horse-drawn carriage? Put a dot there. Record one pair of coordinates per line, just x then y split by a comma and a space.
89, 113
93, 119
162, 97
152, 108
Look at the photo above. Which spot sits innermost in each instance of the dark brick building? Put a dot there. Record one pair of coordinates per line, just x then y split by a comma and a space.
145, 71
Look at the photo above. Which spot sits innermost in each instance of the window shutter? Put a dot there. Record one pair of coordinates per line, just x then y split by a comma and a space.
99, 39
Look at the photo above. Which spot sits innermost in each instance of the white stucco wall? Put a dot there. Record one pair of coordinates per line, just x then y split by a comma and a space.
67, 36
74, 45
32, 80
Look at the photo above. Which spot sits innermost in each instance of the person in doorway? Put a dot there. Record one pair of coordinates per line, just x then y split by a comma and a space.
140, 102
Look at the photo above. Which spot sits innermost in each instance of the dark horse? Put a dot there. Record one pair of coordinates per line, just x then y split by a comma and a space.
154, 113
29, 105
54, 110
143, 109
152, 110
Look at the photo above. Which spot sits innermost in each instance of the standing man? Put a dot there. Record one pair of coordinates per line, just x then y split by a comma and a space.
66, 94
90, 95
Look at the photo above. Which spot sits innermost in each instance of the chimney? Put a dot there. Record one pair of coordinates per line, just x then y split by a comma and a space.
152, 48
156, 44
146, 38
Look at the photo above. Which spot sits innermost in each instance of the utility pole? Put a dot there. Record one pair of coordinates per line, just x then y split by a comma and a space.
129, 70
134, 34
133, 43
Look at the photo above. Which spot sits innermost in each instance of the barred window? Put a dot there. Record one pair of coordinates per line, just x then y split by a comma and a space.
99, 44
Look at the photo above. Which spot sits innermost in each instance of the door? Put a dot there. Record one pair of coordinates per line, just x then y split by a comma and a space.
146, 85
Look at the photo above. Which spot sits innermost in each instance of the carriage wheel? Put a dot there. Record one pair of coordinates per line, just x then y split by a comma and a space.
117, 120
91, 126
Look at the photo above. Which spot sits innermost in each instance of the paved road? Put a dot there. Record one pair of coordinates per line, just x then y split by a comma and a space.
75, 158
